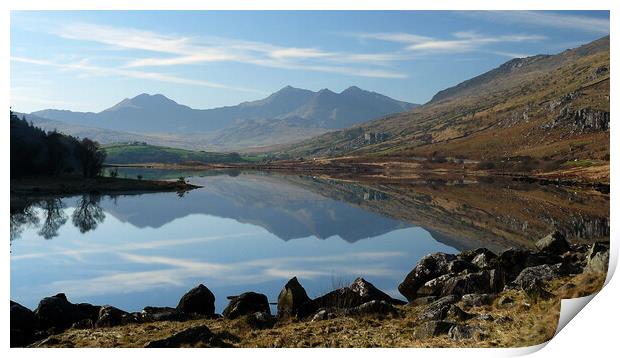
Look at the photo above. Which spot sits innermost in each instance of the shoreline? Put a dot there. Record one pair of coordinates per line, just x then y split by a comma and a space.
396, 171
472, 299
69, 185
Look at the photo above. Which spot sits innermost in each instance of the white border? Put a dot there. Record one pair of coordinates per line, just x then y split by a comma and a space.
593, 331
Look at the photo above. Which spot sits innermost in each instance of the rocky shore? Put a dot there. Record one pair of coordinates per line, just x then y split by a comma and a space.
474, 298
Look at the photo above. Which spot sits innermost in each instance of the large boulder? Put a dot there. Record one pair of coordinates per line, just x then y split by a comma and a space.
434, 287
23, 325
554, 243
56, 311
375, 307
245, 304
292, 300
477, 299
429, 267
598, 262
91, 311
110, 316
368, 292
198, 300
438, 309
461, 332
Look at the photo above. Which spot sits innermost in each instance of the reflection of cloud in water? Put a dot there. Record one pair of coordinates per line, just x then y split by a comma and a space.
184, 272
95, 249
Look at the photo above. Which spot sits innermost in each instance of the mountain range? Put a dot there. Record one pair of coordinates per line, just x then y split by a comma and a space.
287, 115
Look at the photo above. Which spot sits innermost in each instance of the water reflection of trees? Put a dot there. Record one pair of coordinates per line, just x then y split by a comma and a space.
48, 215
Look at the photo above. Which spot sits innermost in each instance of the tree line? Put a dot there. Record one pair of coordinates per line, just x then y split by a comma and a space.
35, 152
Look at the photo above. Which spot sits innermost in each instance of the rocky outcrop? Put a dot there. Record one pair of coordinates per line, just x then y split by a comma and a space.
584, 119
245, 304
198, 300
431, 266
110, 316
368, 292
23, 325
57, 312
554, 243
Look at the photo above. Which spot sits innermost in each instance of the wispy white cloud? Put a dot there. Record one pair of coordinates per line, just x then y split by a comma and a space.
463, 41
187, 50
548, 19
84, 67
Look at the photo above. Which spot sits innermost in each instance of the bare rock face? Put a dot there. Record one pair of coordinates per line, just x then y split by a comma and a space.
554, 243
597, 259
198, 300
430, 266
245, 304
292, 300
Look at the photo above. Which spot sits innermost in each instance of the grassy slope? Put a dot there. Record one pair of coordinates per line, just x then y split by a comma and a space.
138, 153
504, 115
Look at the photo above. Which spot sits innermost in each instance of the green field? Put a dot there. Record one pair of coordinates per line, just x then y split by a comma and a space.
131, 153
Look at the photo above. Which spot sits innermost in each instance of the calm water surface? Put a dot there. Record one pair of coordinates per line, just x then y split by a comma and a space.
253, 231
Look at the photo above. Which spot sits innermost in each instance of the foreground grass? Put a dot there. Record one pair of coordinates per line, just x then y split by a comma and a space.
521, 323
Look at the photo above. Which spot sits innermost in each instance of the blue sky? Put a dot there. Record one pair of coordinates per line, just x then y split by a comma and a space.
90, 60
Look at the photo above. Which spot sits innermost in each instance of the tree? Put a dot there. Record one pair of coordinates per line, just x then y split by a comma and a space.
91, 157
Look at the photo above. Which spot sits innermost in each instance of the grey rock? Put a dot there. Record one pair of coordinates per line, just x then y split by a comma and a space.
429, 267
343, 297
198, 300
56, 311
554, 243
433, 287
461, 332
531, 274
320, 316
23, 324
86, 323
110, 316
246, 303
375, 307
477, 299
477, 282
422, 301
156, 314
432, 329
292, 299
368, 292
597, 262
260, 320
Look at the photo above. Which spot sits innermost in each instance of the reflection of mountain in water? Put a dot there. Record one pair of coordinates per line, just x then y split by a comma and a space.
463, 216
284, 209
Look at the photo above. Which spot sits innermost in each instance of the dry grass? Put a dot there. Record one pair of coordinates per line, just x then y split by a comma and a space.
523, 323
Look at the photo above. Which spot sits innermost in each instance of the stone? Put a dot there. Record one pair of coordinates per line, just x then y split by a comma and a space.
188, 337
260, 320
455, 313
199, 300
513, 261
422, 301
56, 311
535, 291
461, 332
477, 299
375, 307
459, 265
434, 286
292, 300
598, 262
430, 266
477, 282
368, 292
484, 259
156, 314
438, 309
432, 329
110, 316
531, 274
320, 316
554, 243
23, 324
343, 297
86, 323
246, 303
90, 311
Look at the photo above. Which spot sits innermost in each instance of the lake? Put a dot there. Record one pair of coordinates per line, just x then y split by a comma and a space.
254, 231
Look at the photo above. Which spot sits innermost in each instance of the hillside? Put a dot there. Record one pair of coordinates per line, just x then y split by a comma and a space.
288, 115
546, 110
132, 153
